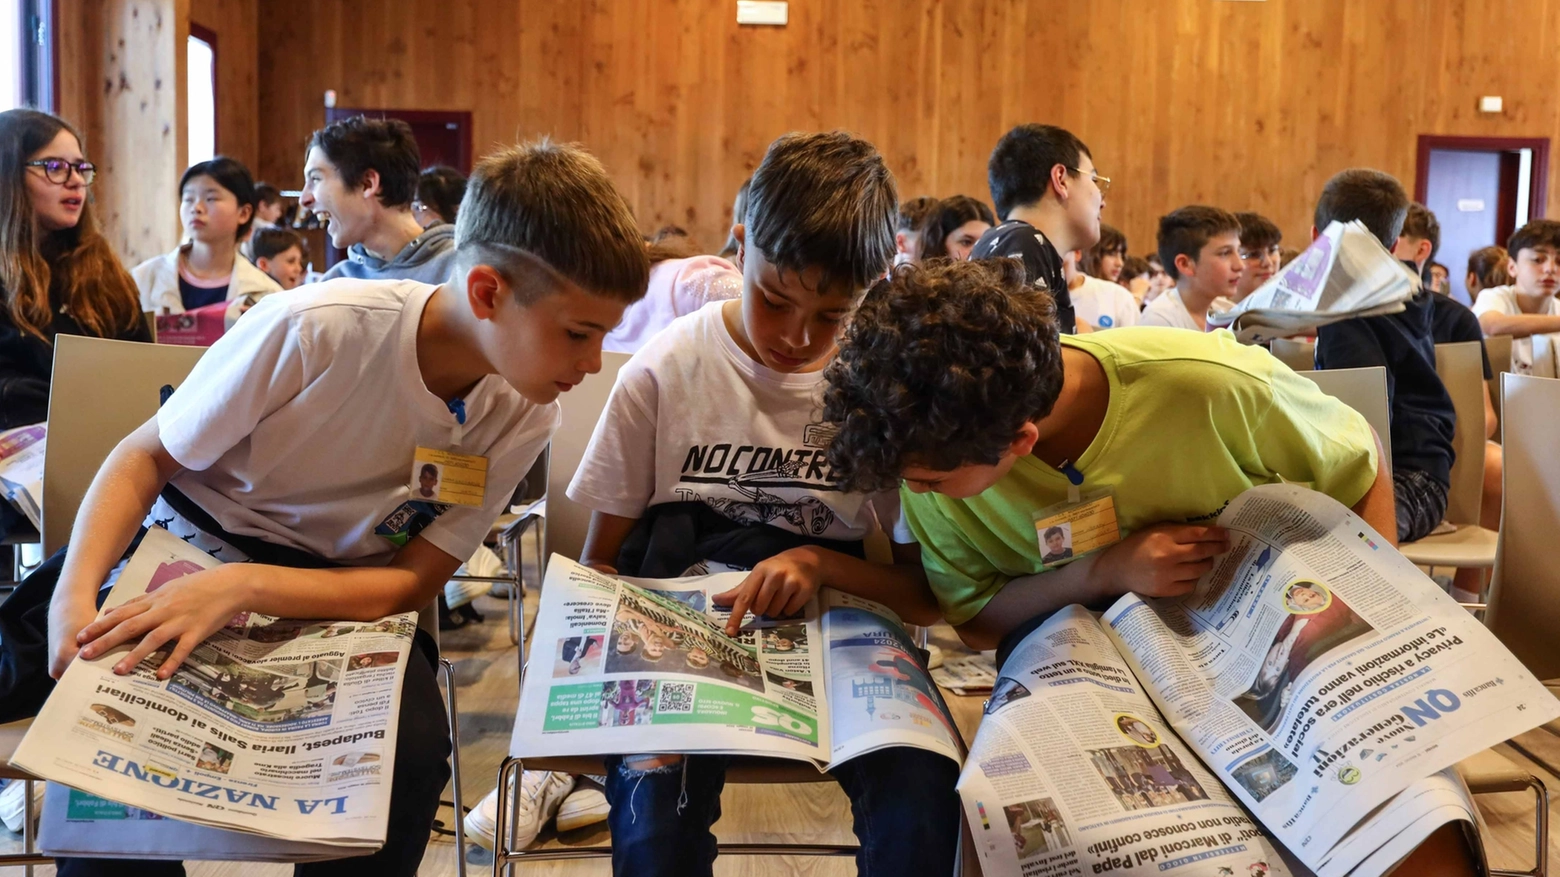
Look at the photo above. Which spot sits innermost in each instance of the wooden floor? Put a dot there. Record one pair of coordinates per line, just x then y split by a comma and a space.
486, 669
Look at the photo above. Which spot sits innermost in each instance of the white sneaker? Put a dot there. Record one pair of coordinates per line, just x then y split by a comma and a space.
12, 804
587, 805
541, 792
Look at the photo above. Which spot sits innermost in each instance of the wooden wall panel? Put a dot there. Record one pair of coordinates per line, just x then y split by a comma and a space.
238, 65
1244, 105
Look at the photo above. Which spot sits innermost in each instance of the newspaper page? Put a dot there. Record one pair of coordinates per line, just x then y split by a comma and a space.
1074, 772
1319, 673
21, 469
880, 693
278, 727
622, 665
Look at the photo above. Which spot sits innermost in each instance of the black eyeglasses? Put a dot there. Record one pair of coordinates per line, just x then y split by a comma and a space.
57, 170
1102, 182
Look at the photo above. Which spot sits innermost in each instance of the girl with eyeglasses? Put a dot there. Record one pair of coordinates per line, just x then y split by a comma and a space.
58, 274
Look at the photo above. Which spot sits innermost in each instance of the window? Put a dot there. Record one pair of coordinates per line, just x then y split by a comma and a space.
26, 54
202, 94
13, 52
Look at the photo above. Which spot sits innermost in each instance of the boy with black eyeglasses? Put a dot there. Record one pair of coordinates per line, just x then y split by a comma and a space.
1259, 250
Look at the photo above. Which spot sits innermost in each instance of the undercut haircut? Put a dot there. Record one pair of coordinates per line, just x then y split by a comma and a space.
1257, 232
1019, 171
824, 202
1538, 233
1185, 231
555, 204
1421, 223
1375, 198
941, 365
358, 145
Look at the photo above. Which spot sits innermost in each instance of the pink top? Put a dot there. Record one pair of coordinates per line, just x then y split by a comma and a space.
677, 287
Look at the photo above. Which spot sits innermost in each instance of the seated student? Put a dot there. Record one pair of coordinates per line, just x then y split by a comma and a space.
1423, 420
952, 378
546, 259
439, 190
954, 226
1486, 268
910, 229
58, 274
807, 252
216, 206
1260, 251
1200, 249
281, 253
1136, 276
1440, 279
1097, 303
1159, 280
1106, 258
269, 207
681, 282
1049, 197
1527, 307
728, 250
1451, 322
359, 178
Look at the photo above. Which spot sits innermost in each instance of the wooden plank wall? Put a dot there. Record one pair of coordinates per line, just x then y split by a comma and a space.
122, 69
1246, 105
238, 68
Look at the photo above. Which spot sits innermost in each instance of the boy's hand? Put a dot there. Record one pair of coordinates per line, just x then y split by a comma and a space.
1165, 560
781, 585
64, 624
182, 612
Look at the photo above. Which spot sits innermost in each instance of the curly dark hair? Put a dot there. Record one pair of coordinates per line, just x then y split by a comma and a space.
940, 366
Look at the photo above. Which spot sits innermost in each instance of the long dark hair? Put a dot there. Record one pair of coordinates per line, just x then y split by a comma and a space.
948, 217
98, 291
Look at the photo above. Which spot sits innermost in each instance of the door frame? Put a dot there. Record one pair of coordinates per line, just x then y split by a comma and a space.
461, 118
1538, 195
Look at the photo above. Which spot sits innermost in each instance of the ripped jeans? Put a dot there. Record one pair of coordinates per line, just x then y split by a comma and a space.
906, 814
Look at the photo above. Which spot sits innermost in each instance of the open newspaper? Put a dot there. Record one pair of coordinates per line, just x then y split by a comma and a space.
21, 469
1344, 273
1315, 677
623, 665
274, 727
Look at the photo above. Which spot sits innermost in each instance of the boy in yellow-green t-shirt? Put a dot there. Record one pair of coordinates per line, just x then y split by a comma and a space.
952, 379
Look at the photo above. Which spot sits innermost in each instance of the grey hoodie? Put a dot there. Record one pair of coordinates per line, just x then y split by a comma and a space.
429, 258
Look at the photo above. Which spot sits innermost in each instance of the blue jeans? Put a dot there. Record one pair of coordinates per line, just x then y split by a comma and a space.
906, 814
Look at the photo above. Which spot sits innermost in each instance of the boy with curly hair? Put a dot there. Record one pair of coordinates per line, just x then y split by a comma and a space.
954, 380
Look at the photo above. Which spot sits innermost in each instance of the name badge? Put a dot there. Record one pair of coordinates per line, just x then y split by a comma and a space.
447, 477
1069, 530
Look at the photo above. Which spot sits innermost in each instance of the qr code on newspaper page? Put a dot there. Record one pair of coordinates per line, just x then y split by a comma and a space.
675, 697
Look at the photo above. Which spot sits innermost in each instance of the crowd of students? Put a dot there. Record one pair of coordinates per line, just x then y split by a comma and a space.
978, 370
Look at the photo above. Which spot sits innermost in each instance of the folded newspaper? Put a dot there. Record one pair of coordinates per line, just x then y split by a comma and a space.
1344, 273
279, 728
624, 665
1315, 675
21, 469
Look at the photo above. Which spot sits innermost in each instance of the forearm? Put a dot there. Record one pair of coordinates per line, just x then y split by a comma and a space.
605, 539
902, 587
1518, 325
343, 594
1026, 597
1377, 507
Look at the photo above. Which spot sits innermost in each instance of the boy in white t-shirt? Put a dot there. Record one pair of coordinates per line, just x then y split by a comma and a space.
1528, 309
1200, 249
298, 436
1100, 303
714, 427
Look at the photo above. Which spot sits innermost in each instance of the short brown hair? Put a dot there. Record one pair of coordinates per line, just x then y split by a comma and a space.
1184, 232
268, 243
1371, 196
1257, 232
553, 202
1421, 223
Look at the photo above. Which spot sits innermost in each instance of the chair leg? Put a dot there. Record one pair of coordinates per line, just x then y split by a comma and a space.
508, 812
447, 670
29, 842
1540, 833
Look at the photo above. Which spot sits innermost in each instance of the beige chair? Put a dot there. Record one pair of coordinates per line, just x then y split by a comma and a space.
102, 391
1298, 355
1364, 390
1498, 348
1470, 546
567, 523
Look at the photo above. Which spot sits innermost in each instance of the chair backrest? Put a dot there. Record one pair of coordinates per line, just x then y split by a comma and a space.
102, 390
1498, 348
582, 407
1461, 367
1364, 390
1524, 602
1298, 355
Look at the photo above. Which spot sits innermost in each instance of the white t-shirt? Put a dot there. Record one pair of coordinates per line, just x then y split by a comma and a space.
1168, 310
1103, 304
678, 287
692, 417
1503, 300
300, 426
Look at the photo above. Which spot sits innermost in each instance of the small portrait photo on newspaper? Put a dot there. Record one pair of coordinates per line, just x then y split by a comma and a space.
1136, 730
1037, 827
1316, 621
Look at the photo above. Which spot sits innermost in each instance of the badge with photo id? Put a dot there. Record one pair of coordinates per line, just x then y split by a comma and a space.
1069, 530
447, 477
